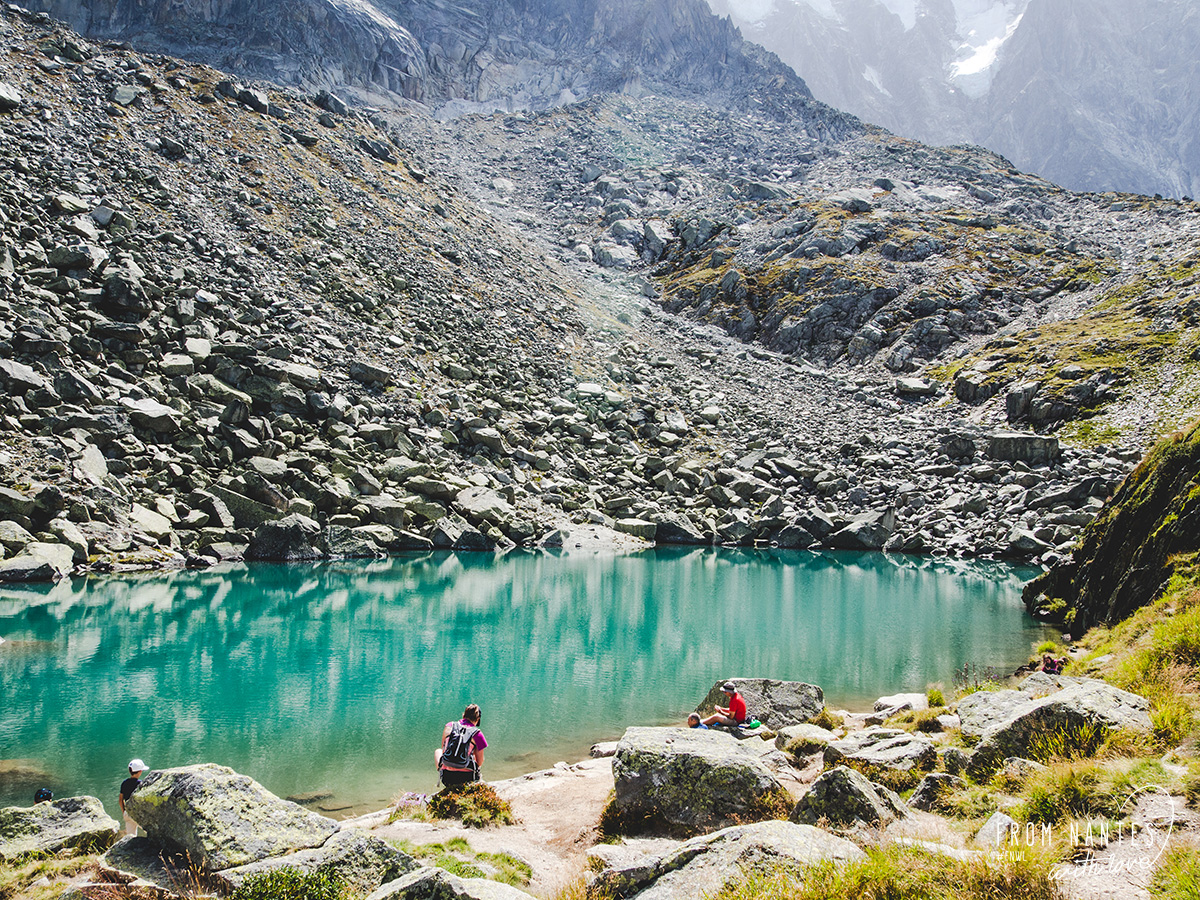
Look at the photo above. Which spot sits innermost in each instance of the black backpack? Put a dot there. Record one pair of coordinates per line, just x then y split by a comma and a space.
459, 746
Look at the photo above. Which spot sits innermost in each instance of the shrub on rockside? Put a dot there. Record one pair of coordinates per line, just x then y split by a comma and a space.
475, 805
289, 883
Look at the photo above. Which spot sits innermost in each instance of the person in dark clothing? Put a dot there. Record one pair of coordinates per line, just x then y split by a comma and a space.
460, 758
128, 786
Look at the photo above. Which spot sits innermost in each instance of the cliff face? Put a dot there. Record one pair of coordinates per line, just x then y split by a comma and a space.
509, 54
1128, 553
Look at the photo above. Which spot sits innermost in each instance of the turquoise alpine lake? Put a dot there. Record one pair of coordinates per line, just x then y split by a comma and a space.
335, 679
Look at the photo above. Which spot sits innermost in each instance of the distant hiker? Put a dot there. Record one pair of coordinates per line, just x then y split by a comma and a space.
1052, 666
734, 714
43, 795
128, 786
460, 758
694, 721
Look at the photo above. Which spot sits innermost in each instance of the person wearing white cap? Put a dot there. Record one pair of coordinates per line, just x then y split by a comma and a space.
128, 786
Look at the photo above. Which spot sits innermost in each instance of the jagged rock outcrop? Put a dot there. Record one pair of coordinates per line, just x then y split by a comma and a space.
689, 780
432, 883
1127, 554
46, 828
361, 861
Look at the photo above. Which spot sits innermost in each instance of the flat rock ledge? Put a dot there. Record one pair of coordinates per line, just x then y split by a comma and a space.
687, 780
702, 866
72, 822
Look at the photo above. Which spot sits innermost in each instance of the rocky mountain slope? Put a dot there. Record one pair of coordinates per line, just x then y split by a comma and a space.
243, 319
458, 55
1068, 90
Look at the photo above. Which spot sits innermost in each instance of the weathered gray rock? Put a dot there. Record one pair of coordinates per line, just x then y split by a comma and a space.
933, 788
870, 531
845, 798
811, 735
69, 823
981, 710
221, 818
480, 504
294, 537
10, 97
362, 861
1086, 703
900, 702
704, 865
996, 830
1027, 448
886, 747
431, 883
686, 780
39, 561
777, 704
144, 868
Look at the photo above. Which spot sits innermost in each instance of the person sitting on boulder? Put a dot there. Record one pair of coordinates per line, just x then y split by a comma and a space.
460, 758
694, 721
732, 715
1050, 665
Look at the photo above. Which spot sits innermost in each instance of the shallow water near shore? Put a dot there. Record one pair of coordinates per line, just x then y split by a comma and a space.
336, 678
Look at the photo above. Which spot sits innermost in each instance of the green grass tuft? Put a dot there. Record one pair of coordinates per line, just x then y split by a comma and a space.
475, 805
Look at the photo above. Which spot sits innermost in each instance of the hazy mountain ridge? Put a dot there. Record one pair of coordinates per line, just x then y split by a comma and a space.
1073, 92
507, 55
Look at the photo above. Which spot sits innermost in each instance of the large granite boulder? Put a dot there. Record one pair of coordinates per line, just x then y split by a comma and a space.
704, 865
688, 780
69, 823
221, 818
888, 748
431, 883
981, 710
776, 704
803, 738
844, 798
1087, 702
362, 861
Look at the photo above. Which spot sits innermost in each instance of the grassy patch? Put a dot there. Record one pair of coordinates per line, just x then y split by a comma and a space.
1178, 877
934, 697
17, 879
458, 858
1073, 790
1156, 653
475, 805
827, 720
893, 872
1074, 742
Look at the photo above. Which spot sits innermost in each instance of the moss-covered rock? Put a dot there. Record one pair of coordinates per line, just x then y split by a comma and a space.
685, 781
844, 798
69, 823
1129, 552
221, 818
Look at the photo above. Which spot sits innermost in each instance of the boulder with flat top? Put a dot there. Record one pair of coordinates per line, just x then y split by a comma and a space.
683, 781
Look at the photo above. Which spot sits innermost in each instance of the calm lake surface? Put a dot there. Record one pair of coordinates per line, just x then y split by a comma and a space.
340, 676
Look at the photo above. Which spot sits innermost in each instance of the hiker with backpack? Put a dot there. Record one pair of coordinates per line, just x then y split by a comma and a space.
460, 758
